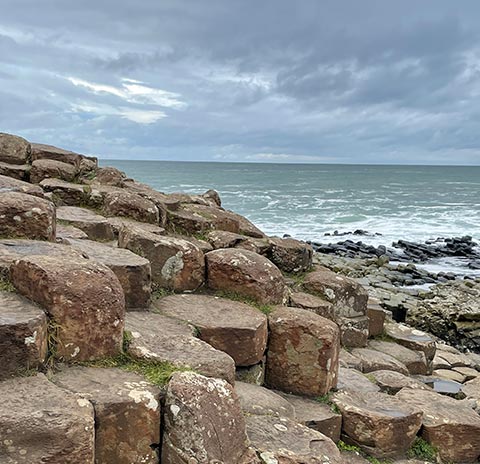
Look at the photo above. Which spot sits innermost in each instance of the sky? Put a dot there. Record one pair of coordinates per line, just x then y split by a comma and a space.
307, 81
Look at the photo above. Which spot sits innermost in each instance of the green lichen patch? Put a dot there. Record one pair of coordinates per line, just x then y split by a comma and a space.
6, 285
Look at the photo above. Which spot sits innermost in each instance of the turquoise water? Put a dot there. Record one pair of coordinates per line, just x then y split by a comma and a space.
306, 201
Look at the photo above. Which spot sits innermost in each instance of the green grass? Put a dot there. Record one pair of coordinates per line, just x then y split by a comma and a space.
422, 450
327, 399
298, 277
160, 292
264, 308
342, 446
6, 285
384, 337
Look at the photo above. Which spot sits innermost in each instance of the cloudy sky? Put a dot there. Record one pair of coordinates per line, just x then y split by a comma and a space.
347, 81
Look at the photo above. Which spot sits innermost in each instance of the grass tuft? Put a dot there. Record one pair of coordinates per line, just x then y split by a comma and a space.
342, 446
327, 399
422, 450
6, 285
160, 292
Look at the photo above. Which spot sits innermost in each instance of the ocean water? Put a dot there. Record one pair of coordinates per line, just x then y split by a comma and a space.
307, 201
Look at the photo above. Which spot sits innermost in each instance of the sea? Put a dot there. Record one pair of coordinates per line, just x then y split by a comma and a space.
308, 201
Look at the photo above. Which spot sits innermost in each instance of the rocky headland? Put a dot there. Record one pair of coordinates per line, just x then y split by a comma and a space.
143, 327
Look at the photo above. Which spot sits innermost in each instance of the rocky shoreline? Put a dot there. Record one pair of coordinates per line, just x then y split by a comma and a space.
144, 327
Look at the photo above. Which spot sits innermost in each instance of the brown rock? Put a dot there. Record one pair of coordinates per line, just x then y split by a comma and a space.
449, 375
347, 359
222, 239
162, 338
302, 352
245, 273
454, 359
282, 440
94, 225
127, 412
392, 382
84, 299
47, 168
131, 205
353, 331
415, 361
66, 193
118, 222
7, 184
312, 303
176, 264
65, 232
449, 425
41, 423
213, 196
230, 326
291, 255
246, 227
354, 381
14, 149
471, 389
381, 425
26, 216
202, 245
373, 360
468, 372
133, 271
347, 296
252, 374
376, 319
17, 171
23, 335
262, 401
203, 422
110, 176
83, 163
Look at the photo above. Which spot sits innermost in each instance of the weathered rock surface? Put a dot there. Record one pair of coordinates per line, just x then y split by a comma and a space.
41, 423
312, 303
65, 193
282, 440
353, 331
127, 412
94, 225
110, 176
303, 351
392, 382
131, 205
17, 171
65, 232
7, 184
133, 271
230, 326
176, 264
262, 401
373, 360
291, 255
203, 422
415, 361
14, 149
84, 164
381, 425
376, 319
252, 374
26, 216
23, 335
118, 222
246, 273
84, 299
448, 424
354, 381
161, 338
47, 168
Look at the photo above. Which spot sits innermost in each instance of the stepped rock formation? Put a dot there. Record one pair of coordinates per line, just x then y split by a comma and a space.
236, 347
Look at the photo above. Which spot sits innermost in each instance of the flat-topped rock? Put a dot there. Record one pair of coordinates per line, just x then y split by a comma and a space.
290, 255
26, 216
373, 360
41, 423
127, 412
381, 425
203, 422
346, 359
109, 176
376, 319
355, 381
451, 426
17, 171
176, 264
82, 163
469, 372
230, 326
162, 338
133, 271
471, 390
83, 298
246, 273
23, 335
7, 184
449, 375
347, 296
282, 440
65, 232
223, 239
66, 193
118, 222
94, 225
131, 205
255, 399
315, 415
415, 361
312, 303
47, 168
454, 359
202, 245
392, 382
302, 354
14, 149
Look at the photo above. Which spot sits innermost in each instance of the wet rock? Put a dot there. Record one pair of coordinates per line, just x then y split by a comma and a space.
230, 326
354, 381
132, 271
94, 225
312, 303
303, 350
7, 184
246, 273
14, 149
449, 425
40, 422
176, 264
415, 361
26, 216
381, 425
203, 422
17, 171
46, 168
160, 338
127, 412
66, 193
131, 205
23, 335
392, 382
373, 360
282, 440
84, 299
262, 401
290, 255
